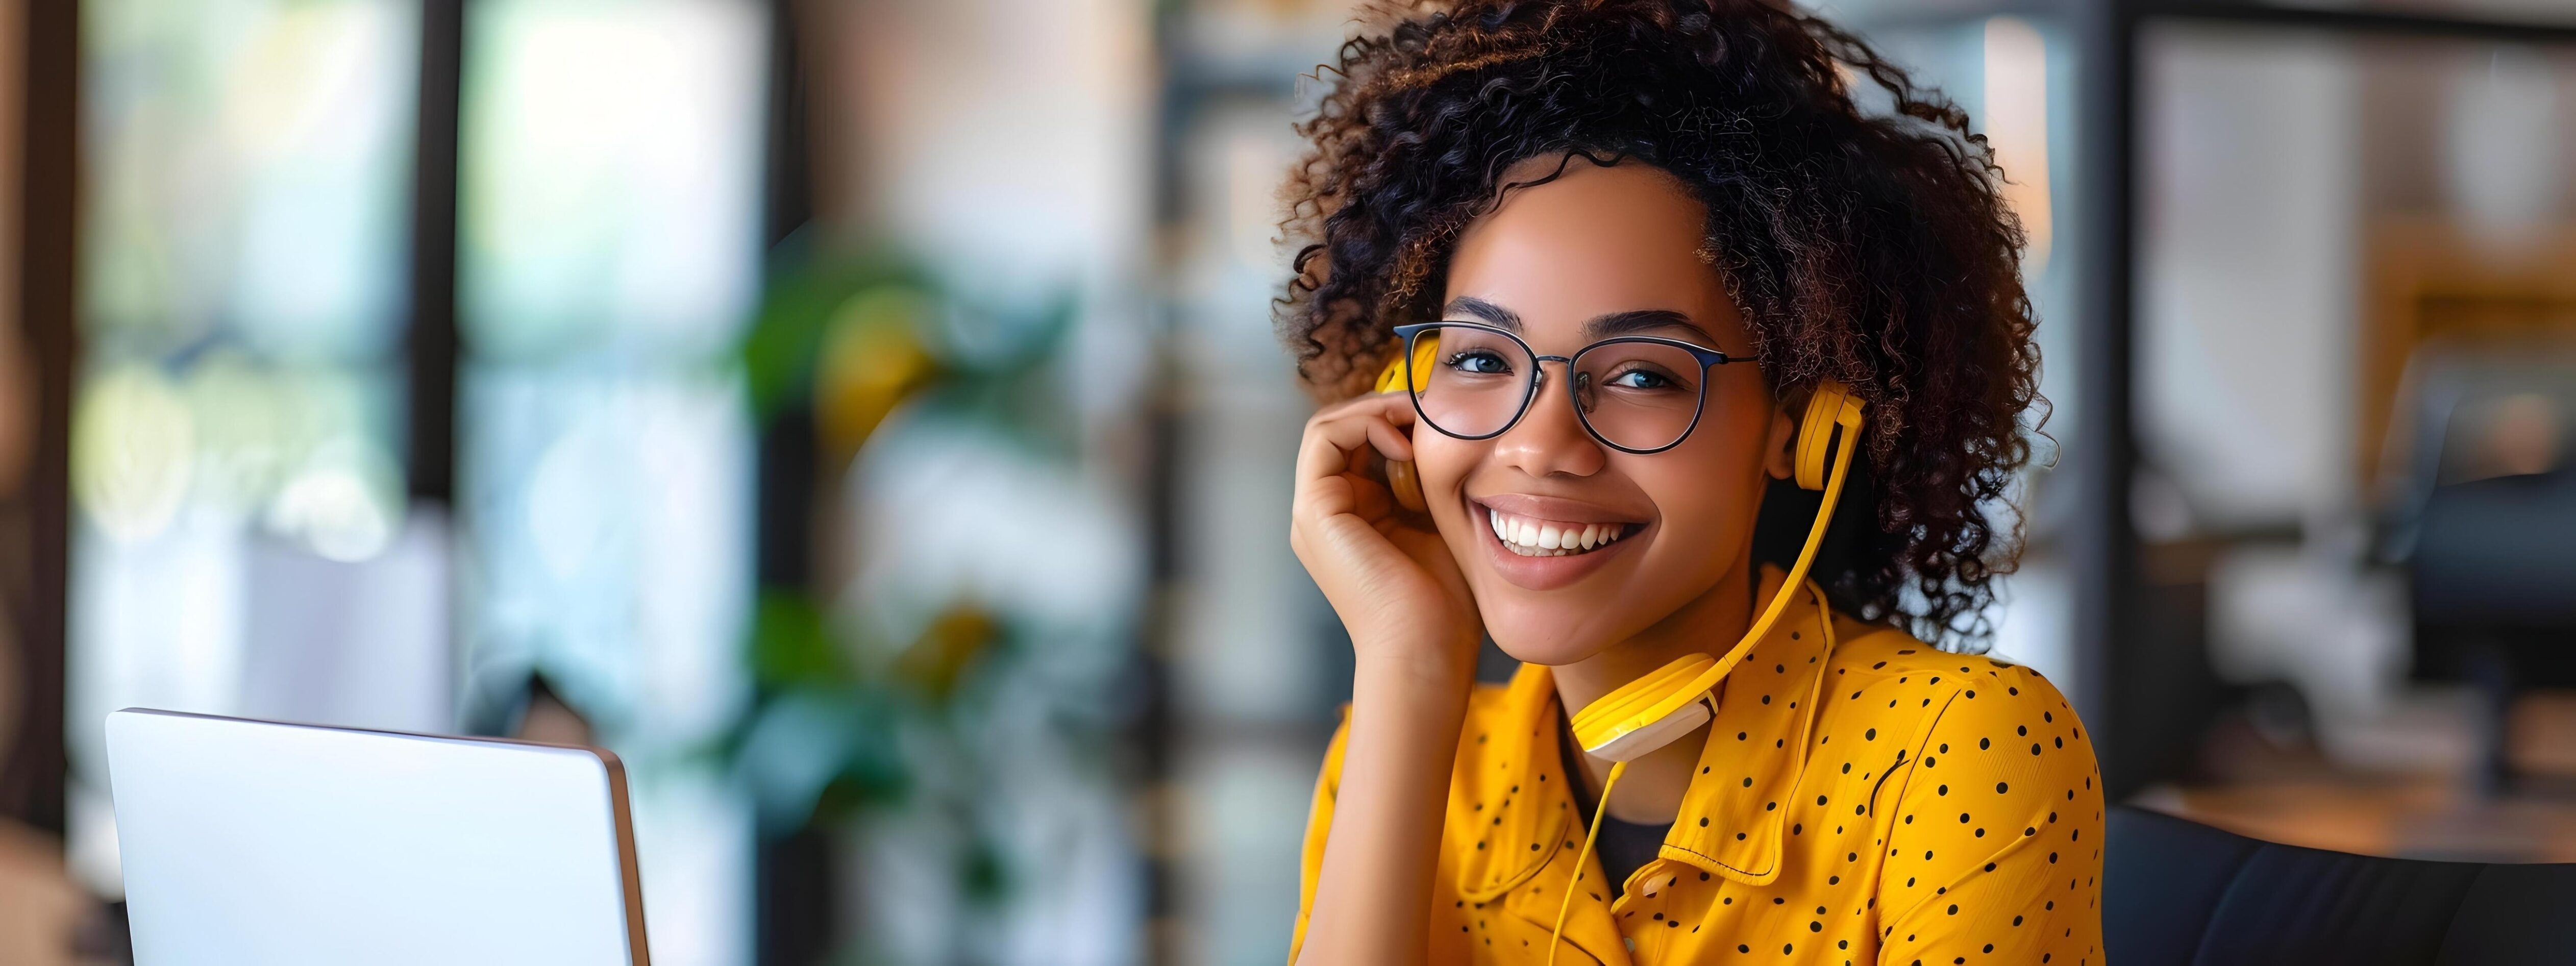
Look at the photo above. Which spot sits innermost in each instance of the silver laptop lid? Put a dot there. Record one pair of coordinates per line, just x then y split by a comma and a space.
257, 842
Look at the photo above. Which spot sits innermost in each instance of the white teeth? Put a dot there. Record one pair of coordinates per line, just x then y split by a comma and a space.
1534, 538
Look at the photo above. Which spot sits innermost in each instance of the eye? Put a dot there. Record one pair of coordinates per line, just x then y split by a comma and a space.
1639, 379
1483, 362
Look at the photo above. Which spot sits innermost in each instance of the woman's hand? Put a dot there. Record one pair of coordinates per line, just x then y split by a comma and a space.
1415, 631
1386, 572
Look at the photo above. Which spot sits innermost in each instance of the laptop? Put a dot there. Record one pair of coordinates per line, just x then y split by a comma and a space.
264, 843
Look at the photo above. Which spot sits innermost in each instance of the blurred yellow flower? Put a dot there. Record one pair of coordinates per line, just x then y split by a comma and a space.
872, 359
947, 648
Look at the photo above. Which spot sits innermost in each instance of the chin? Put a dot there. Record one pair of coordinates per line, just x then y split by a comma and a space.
1545, 634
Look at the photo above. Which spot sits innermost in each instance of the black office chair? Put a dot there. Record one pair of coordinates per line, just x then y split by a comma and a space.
2178, 893
2490, 582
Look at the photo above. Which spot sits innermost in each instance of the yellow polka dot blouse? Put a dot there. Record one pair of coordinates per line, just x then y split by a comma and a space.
1862, 799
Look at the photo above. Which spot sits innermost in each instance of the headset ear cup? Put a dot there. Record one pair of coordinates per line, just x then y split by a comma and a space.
1830, 406
1425, 351
1391, 378
1816, 432
1406, 485
1401, 479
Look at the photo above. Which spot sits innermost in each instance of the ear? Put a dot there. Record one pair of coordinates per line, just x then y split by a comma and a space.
1780, 449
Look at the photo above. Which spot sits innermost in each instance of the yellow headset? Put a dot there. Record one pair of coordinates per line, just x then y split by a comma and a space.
1400, 478
1676, 699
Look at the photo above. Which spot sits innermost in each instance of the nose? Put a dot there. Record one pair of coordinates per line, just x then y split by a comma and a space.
1549, 440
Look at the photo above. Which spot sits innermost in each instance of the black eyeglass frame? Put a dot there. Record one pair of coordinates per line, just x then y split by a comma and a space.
1708, 359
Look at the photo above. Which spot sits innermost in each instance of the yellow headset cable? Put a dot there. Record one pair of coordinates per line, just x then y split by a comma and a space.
1556, 936
1797, 574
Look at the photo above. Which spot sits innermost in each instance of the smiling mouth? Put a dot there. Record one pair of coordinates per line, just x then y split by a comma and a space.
1533, 537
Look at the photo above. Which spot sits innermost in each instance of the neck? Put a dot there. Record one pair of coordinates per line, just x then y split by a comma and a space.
1650, 792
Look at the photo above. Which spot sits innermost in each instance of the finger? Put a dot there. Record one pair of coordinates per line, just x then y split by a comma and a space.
1370, 498
1320, 454
1391, 442
1355, 487
1389, 403
1333, 439
1394, 407
1386, 425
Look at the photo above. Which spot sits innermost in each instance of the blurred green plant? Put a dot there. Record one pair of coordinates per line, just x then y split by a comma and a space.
843, 727
849, 338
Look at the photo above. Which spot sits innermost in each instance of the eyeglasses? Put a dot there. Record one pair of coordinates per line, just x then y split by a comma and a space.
1636, 394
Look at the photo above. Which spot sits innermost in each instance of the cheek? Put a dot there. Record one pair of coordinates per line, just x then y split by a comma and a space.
1443, 464
1442, 461
1707, 489
1700, 503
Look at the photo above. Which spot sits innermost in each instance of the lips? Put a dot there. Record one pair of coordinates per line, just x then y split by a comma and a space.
1548, 543
1531, 536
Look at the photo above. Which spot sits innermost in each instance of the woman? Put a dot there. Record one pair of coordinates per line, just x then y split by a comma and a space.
1626, 241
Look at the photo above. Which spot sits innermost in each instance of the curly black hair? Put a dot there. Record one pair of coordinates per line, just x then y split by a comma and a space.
1868, 246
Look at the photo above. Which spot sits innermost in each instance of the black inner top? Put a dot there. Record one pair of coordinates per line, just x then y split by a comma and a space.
1624, 847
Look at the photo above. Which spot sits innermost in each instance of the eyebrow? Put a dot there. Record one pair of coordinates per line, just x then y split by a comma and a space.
1611, 325
1486, 312
1638, 321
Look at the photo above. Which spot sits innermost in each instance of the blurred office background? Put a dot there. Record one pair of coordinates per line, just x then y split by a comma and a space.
864, 417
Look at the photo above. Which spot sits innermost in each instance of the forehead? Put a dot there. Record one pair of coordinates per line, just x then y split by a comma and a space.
1592, 242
